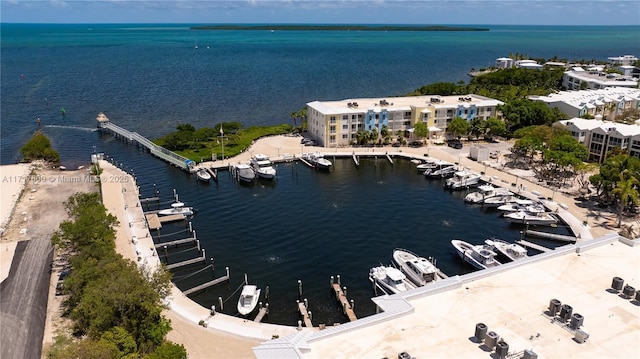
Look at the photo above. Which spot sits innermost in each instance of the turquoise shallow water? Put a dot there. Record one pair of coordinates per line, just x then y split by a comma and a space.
309, 225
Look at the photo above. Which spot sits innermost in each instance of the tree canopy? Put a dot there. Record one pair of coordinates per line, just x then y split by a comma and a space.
39, 148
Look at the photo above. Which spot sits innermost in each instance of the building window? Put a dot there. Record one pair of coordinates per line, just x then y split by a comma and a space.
345, 127
333, 119
332, 129
345, 136
345, 117
332, 139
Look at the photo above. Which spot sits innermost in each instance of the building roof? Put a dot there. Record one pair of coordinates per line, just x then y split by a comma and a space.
595, 75
623, 129
580, 99
395, 104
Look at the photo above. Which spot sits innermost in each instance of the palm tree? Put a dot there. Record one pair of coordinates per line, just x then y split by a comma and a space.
626, 191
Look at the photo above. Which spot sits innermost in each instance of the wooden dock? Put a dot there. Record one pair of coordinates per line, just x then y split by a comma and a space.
356, 160
533, 246
302, 308
344, 302
261, 313
389, 158
185, 263
153, 221
171, 218
556, 237
206, 285
175, 243
150, 199
213, 173
305, 162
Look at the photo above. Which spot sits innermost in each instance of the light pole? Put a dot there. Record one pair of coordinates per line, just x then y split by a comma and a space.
222, 136
278, 148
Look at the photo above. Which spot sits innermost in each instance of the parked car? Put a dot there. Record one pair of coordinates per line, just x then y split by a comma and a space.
415, 144
457, 144
396, 144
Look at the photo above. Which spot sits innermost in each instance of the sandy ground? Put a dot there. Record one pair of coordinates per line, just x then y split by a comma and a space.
205, 342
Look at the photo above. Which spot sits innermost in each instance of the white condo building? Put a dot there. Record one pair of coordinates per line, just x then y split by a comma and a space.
600, 137
604, 103
623, 60
578, 78
335, 123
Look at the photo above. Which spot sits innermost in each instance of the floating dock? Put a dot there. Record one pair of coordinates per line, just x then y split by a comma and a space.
175, 243
224, 278
261, 313
185, 263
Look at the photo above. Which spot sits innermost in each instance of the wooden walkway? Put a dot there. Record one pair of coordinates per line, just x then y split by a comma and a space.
305, 315
206, 285
533, 245
185, 263
342, 298
171, 218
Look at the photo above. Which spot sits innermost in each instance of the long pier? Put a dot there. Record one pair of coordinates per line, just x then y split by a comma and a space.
176, 242
306, 318
173, 158
557, 237
185, 263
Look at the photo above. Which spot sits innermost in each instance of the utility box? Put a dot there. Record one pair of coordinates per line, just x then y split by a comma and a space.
479, 153
581, 336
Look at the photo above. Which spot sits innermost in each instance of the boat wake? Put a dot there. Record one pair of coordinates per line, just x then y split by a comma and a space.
88, 129
447, 223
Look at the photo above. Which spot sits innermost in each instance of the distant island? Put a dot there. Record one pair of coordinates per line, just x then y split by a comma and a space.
337, 27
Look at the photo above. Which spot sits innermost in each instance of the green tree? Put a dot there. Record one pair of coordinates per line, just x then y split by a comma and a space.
626, 192
421, 130
458, 127
39, 148
477, 127
495, 127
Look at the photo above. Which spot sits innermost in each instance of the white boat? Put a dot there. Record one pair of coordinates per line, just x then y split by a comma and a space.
390, 280
523, 205
463, 179
440, 169
497, 201
485, 192
318, 161
177, 208
263, 167
524, 217
248, 299
512, 251
423, 166
419, 270
244, 172
203, 175
479, 256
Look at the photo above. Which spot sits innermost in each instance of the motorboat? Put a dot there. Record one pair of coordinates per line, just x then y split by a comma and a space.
391, 280
534, 218
512, 251
318, 161
248, 299
485, 192
479, 256
497, 201
440, 169
463, 179
427, 165
523, 205
244, 173
177, 208
203, 175
263, 167
419, 270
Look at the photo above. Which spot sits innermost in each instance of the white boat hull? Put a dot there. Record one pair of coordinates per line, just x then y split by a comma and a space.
541, 219
418, 269
477, 255
390, 280
248, 299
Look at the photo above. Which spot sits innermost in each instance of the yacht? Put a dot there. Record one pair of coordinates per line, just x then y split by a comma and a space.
419, 270
317, 160
244, 173
512, 251
262, 166
391, 280
523, 205
497, 201
248, 299
177, 208
534, 218
485, 192
440, 169
463, 179
479, 256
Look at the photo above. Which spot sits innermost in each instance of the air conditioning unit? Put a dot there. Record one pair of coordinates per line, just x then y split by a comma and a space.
617, 284
491, 339
481, 332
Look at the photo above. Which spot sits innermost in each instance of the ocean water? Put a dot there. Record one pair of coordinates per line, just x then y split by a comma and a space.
307, 225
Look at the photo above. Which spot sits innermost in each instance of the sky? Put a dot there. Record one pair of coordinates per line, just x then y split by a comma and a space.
423, 12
